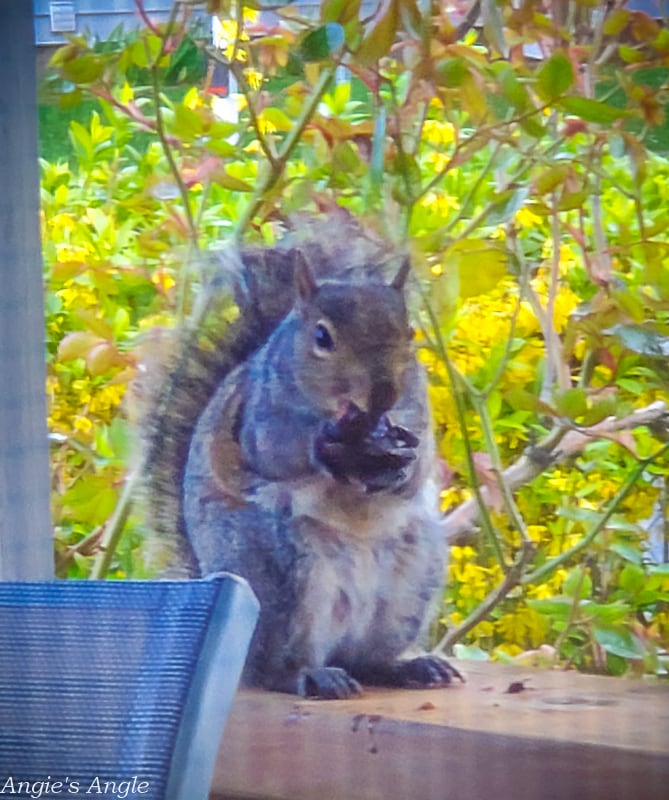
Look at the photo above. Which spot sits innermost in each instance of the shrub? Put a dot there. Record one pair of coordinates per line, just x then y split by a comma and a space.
522, 160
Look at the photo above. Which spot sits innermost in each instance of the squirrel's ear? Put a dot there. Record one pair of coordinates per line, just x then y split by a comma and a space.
400, 279
305, 284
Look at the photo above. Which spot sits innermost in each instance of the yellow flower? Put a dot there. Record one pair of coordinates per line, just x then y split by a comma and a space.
193, 99
82, 424
61, 224
453, 496
484, 629
524, 627
438, 133
439, 203
106, 399
438, 161
537, 532
75, 295
254, 78
226, 35
527, 219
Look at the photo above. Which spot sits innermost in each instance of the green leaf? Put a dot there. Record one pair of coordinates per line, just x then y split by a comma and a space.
551, 177
632, 579
522, 400
493, 26
340, 10
145, 51
592, 110
480, 265
608, 613
188, 124
557, 607
92, 499
221, 147
630, 55
120, 438
277, 118
508, 204
626, 551
578, 583
323, 42
228, 181
572, 403
616, 22
84, 69
617, 640
81, 139
645, 341
555, 76
571, 200
532, 126
603, 408
514, 91
451, 72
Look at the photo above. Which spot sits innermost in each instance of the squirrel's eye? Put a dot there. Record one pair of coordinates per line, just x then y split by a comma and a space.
323, 338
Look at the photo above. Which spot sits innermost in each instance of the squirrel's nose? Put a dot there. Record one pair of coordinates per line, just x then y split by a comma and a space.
382, 397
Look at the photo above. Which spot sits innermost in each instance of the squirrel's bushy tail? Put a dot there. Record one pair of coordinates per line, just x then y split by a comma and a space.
250, 292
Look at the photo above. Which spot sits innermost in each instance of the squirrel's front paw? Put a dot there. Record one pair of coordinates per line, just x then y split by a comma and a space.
327, 683
425, 671
412, 673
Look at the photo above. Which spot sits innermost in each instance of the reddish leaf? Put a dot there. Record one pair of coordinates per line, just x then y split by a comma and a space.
76, 345
102, 357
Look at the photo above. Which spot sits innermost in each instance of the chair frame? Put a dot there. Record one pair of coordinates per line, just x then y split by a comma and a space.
211, 693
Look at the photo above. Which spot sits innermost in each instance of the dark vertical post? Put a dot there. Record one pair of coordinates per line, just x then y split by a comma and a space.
26, 548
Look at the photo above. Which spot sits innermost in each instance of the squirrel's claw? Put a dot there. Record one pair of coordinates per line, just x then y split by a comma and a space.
425, 671
327, 683
413, 673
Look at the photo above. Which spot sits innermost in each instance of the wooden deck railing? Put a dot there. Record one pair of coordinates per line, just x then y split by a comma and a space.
562, 736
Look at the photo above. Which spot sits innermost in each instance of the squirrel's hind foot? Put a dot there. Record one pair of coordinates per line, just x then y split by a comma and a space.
328, 683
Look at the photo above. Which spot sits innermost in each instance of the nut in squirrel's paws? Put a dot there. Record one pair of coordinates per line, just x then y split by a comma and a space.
357, 448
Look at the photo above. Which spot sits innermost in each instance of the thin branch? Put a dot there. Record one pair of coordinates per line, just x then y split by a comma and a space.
559, 446
511, 580
555, 370
492, 449
114, 528
457, 387
546, 569
485, 132
264, 142
275, 168
515, 576
174, 168
469, 21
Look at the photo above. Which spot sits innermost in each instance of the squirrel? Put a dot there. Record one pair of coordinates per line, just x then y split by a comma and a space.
295, 449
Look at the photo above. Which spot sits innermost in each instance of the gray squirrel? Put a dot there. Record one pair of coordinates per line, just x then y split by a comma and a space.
295, 449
